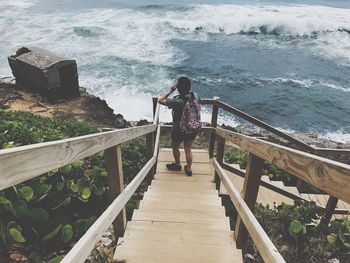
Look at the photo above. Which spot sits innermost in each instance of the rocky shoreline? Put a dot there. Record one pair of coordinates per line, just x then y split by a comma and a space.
93, 110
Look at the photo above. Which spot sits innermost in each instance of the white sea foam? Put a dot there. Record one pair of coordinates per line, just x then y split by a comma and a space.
121, 53
338, 136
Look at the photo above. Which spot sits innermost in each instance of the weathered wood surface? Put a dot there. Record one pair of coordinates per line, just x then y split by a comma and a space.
26, 162
266, 248
86, 244
214, 123
179, 221
114, 165
250, 191
328, 175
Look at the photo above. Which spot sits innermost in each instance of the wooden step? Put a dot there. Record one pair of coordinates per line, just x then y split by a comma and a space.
197, 168
150, 206
199, 156
179, 237
165, 204
185, 185
183, 178
169, 189
177, 216
182, 198
211, 229
159, 251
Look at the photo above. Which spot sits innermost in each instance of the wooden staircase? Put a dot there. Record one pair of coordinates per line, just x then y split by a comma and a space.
180, 219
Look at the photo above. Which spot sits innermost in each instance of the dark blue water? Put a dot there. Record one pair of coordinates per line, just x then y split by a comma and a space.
285, 62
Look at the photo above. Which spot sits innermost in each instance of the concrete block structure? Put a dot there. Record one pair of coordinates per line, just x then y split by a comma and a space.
45, 72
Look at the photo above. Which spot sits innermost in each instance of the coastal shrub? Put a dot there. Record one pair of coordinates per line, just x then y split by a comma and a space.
298, 235
42, 217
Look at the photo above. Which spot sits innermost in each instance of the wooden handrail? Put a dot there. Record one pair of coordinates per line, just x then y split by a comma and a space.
328, 175
26, 162
267, 249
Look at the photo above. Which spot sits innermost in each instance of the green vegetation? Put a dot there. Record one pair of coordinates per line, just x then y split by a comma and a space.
298, 235
43, 217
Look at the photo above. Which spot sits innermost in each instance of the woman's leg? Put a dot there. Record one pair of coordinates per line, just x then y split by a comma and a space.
176, 151
188, 152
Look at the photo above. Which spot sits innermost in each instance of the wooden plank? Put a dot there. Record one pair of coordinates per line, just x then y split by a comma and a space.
250, 191
163, 204
211, 229
182, 178
197, 168
204, 185
220, 150
216, 211
82, 249
330, 207
180, 190
16, 164
182, 198
198, 157
114, 165
170, 216
267, 249
179, 237
160, 251
214, 122
328, 175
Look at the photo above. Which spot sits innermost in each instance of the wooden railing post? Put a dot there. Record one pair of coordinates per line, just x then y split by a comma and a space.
214, 123
113, 160
249, 193
330, 207
155, 101
220, 150
150, 149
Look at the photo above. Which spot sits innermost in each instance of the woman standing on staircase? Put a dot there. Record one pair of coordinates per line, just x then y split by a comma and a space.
186, 121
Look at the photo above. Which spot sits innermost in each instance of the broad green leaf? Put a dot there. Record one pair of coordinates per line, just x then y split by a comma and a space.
59, 186
52, 233
4, 201
82, 183
56, 259
16, 235
20, 208
86, 193
41, 189
104, 173
295, 226
74, 188
66, 170
98, 188
67, 234
26, 192
89, 222
38, 215
78, 164
332, 238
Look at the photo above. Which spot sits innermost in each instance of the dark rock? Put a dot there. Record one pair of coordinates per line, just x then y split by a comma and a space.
142, 122
47, 73
120, 122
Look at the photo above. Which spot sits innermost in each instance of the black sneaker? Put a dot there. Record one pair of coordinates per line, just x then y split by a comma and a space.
188, 173
173, 167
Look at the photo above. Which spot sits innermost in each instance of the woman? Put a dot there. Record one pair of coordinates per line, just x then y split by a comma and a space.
178, 135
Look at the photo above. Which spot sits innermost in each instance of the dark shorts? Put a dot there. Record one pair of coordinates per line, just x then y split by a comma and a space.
178, 136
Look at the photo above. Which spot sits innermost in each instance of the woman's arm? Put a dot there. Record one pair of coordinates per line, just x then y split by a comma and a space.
162, 99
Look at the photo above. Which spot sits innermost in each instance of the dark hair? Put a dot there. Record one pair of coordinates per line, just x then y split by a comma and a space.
183, 86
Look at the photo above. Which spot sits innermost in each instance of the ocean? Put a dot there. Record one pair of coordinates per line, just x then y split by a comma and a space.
284, 62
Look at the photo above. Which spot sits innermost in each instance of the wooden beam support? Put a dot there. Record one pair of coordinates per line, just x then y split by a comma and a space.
330, 209
214, 122
250, 191
114, 165
328, 175
150, 149
266, 248
220, 150
17, 166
